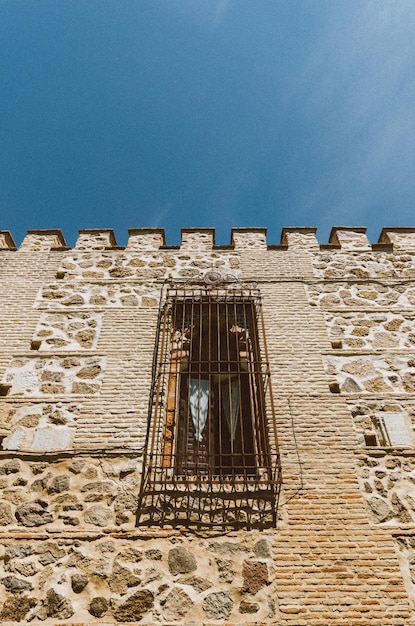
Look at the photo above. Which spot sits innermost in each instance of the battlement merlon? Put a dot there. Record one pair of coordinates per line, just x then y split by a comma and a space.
197, 239
43, 240
252, 238
6, 241
350, 238
302, 237
401, 237
146, 238
95, 239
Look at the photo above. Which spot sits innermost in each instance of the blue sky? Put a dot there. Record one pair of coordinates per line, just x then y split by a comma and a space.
224, 113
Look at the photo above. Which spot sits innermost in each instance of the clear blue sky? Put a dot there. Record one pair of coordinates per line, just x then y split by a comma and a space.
126, 113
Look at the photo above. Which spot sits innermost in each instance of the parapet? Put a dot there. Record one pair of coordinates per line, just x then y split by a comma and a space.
343, 238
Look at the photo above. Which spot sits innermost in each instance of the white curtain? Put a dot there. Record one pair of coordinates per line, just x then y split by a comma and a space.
231, 403
199, 403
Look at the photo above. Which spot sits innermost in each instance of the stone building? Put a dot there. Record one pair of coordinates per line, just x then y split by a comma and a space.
202, 434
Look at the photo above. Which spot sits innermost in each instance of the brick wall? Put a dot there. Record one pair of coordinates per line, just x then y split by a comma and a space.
77, 333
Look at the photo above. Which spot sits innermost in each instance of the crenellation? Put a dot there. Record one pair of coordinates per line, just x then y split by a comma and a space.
345, 238
80, 389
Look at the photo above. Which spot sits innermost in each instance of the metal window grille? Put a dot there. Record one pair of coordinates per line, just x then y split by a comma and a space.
211, 452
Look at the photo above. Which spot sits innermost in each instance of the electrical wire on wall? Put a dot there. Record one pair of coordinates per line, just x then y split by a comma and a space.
300, 464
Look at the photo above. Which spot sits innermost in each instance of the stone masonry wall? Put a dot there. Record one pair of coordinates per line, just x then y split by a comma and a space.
367, 298
77, 333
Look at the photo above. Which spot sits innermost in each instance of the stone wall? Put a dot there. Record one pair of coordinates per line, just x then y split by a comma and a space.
59, 564
388, 482
68, 331
38, 376
371, 331
363, 295
77, 333
367, 296
406, 548
381, 373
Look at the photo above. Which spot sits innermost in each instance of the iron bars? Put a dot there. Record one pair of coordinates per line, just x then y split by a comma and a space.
211, 451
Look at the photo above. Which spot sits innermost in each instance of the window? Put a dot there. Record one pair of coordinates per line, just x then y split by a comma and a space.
211, 454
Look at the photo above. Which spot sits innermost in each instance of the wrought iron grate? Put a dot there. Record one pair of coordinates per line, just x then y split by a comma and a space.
211, 452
